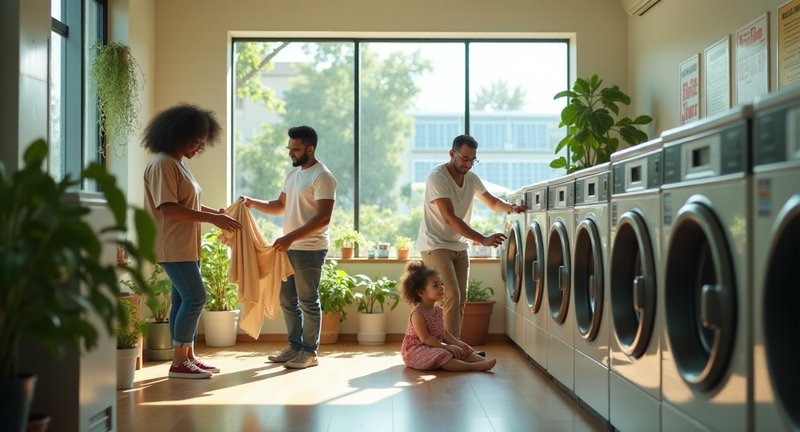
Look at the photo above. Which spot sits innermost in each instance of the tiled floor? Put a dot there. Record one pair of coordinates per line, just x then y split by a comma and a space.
354, 388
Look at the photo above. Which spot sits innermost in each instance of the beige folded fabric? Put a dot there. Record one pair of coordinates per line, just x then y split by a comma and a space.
256, 267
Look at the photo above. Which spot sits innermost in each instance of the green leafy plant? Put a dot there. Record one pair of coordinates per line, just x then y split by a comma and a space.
160, 293
115, 75
593, 132
402, 242
336, 290
52, 268
346, 237
476, 292
376, 293
129, 326
214, 266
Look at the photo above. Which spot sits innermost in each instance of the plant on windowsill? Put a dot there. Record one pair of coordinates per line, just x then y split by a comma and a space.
220, 317
346, 239
477, 313
375, 294
593, 127
116, 78
403, 245
56, 286
336, 293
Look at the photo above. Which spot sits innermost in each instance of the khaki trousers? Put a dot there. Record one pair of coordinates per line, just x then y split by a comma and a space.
453, 266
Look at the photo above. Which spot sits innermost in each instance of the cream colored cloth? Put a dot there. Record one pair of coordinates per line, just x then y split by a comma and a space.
256, 267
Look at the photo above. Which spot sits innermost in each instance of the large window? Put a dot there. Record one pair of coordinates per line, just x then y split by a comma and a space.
386, 113
73, 136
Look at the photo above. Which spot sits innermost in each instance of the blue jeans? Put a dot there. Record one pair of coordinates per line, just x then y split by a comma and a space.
300, 300
188, 300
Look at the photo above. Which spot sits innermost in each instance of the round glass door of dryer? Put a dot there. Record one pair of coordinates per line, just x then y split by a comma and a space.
513, 253
700, 296
558, 266
781, 300
633, 284
533, 267
588, 282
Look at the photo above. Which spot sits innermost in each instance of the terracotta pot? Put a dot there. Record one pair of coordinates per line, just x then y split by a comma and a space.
402, 254
347, 252
475, 327
329, 334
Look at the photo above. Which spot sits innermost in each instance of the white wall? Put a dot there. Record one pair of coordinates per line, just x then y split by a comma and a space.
671, 32
193, 43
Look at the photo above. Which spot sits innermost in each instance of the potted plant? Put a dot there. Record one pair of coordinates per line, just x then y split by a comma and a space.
345, 239
159, 339
56, 285
115, 75
129, 330
477, 313
221, 316
336, 293
593, 129
403, 245
371, 300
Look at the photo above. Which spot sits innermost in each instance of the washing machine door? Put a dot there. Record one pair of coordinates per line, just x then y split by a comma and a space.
633, 284
533, 267
700, 296
588, 285
513, 253
781, 300
558, 271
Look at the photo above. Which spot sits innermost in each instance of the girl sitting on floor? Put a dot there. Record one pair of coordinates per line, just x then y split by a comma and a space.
427, 345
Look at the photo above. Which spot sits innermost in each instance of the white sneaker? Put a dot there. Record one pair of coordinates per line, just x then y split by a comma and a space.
287, 354
302, 360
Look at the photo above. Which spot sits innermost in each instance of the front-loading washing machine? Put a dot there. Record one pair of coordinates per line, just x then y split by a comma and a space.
633, 285
533, 266
558, 280
776, 236
589, 293
512, 250
706, 354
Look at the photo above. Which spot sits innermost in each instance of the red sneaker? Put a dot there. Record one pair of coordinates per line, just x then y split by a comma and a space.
204, 366
187, 369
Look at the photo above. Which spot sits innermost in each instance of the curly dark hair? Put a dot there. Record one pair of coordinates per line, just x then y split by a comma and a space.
180, 126
306, 134
414, 279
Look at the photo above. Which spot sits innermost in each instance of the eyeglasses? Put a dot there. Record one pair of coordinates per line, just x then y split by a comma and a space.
466, 159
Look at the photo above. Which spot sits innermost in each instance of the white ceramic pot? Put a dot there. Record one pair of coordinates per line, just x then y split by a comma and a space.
371, 328
220, 327
126, 367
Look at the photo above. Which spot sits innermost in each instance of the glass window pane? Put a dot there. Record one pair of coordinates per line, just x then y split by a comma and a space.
57, 108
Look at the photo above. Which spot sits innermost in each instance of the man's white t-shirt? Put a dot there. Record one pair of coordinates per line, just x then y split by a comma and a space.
303, 187
434, 233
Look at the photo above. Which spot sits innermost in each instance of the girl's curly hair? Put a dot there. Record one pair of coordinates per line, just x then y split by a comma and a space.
414, 279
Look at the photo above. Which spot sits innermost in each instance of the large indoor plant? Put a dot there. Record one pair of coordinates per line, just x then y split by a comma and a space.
477, 313
336, 293
221, 316
593, 125
374, 295
116, 78
53, 275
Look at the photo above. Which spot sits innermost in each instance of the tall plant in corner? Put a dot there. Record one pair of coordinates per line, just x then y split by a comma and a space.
115, 74
593, 127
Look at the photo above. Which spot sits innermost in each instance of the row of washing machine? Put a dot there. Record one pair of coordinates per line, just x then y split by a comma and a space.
659, 288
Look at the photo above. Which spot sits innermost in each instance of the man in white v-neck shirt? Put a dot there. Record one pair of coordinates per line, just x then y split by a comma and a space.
306, 203
445, 234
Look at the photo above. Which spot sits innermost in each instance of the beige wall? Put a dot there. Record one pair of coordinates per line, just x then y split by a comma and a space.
193, 42
671, 32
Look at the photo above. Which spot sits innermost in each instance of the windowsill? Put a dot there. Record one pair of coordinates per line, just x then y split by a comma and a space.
395, 260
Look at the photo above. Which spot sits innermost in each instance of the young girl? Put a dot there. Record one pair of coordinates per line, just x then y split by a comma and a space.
427, 345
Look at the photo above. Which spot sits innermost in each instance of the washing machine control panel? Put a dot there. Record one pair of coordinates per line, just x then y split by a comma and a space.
536, 199
707, 155
638, 174
777, 136
593, 189
561, 195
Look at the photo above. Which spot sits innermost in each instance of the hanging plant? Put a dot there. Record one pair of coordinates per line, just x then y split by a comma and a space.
115, 74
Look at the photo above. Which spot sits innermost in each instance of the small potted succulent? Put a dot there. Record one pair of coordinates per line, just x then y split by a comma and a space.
403, 245
346, 239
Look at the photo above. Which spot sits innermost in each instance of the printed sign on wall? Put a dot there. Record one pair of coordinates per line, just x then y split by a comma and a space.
752, 60
690, 89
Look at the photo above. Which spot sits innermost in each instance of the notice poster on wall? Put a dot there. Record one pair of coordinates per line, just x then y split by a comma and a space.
789, 43
752, 60
718, 77
690, 89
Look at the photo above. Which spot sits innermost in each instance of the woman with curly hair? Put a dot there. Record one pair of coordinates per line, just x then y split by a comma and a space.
427, 345
172, 197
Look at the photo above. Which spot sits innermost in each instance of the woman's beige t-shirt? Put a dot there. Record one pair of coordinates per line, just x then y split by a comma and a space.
168, 180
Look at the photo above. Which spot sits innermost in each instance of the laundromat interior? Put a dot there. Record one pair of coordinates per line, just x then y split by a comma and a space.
652, 291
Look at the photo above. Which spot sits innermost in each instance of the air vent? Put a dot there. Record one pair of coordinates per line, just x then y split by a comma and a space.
638, 7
